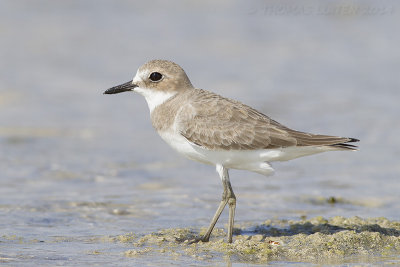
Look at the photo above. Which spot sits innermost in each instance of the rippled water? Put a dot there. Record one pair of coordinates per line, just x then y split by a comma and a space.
76, 165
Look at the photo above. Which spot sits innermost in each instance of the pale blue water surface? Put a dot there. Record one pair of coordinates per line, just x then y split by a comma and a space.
76, 165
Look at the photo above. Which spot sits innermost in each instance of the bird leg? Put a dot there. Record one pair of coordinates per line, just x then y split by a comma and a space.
228, 197
214, 220
232, 206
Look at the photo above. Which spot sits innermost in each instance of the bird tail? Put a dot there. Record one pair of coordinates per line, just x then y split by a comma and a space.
336, 142
346, 146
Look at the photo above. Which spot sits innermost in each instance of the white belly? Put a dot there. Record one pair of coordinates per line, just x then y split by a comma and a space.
252, 160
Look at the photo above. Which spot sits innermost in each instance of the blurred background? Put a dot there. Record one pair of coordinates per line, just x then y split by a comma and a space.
76, 164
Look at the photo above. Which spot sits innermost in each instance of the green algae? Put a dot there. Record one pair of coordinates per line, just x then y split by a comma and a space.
317, 240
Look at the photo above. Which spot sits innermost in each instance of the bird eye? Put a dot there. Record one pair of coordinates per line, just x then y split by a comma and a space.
155, 76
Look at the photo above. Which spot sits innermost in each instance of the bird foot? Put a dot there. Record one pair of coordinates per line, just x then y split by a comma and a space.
197, 240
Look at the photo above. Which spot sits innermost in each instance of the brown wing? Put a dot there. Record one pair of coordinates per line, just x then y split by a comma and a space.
308, 139
214, 122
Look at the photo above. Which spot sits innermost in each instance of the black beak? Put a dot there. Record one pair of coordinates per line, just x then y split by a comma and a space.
128, 86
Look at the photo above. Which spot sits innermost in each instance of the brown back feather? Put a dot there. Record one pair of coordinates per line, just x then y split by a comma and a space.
215, 122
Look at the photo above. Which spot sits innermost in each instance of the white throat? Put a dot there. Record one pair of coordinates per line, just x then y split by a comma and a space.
154, 98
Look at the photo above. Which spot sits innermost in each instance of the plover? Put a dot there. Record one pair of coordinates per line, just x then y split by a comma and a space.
215, 130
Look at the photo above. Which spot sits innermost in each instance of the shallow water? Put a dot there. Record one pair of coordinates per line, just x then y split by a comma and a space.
77, 166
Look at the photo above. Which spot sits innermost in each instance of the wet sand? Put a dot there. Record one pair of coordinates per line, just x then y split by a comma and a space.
317, 240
